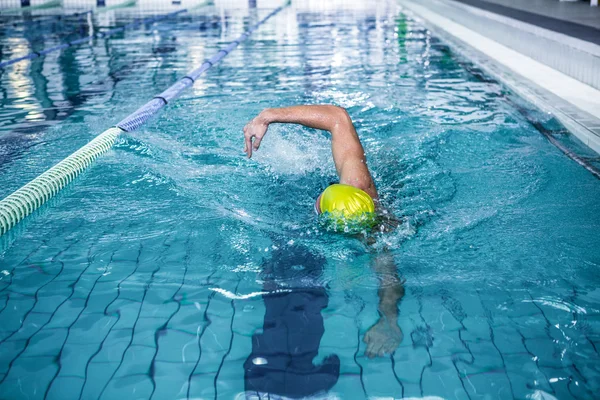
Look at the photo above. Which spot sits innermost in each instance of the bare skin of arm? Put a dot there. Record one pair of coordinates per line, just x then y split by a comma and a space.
385, 335
351, 165
348, 153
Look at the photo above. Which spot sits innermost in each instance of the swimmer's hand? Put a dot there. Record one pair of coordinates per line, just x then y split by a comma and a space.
382, 338
254, 131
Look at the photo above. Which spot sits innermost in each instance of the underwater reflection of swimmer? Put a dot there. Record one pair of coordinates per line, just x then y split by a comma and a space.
352, 205
281, 362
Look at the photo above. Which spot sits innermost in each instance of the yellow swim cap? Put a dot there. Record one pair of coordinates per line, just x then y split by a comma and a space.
345, 201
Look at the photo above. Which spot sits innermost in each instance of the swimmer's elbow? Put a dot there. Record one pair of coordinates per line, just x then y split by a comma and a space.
340, 120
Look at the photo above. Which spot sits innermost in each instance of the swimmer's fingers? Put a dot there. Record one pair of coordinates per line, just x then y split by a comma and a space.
374, 349
248, 144
257, 140
390, 348
371, 344
255, 130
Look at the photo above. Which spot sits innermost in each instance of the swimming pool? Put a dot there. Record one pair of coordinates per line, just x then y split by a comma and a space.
176, 268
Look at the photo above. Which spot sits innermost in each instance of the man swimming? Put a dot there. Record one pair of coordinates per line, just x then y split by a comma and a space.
354, 198
348, 154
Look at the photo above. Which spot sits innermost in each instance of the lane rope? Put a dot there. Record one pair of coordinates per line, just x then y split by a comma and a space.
83, 39
34, 194
34, 22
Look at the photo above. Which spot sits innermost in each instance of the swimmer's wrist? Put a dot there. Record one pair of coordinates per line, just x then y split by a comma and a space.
266, 116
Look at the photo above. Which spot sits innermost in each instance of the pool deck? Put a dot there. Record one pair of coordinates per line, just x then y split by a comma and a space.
542, 51
552, 14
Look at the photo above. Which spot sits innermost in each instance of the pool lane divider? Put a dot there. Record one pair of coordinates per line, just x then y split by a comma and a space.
99, 10
99, 35
39, 21
46, 5
34, 194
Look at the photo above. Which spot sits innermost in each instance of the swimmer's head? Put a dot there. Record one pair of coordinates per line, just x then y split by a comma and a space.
345, 204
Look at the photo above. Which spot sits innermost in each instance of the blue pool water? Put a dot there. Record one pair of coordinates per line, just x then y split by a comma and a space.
176, 268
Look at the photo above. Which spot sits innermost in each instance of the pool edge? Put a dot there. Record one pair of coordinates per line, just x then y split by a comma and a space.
477, 47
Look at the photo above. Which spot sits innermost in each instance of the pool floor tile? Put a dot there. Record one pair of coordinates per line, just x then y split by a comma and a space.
100, 374
46, 342
448, 343
158, 304
409, 364
492, 385
248, 318
31, 325
508, 340
188, 318
127, 252
66, 314
220, 308
559, 382
9, 349
31, 375
52, 295
216, 336
127, 312
136, 361
113, 346
103, 294
443, 382
334, 337
65, 388
172, 379
19, 388
28, 282
476, 328
176, 346
545, 350
128, 387
18, 305
209, 362
230, 380
74, 359
241, 347
146, 331
202, 386
131, 291
90, 328
379, 379
348, 383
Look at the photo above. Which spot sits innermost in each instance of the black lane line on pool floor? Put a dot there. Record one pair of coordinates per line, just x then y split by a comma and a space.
215, 386
50, 318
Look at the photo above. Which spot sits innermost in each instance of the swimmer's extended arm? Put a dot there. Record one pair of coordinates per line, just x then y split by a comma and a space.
385, 335
348, 153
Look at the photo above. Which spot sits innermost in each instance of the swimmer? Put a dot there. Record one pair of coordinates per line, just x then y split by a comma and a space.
354, 198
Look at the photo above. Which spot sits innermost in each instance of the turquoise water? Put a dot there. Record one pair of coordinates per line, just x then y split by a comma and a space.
177, 268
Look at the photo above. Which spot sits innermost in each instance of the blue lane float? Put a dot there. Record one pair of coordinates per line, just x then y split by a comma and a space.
34, 194
143, 113
42, 20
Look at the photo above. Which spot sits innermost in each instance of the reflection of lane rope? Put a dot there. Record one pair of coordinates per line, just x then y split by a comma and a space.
37, 22
30, 197
61, 17
99, 35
